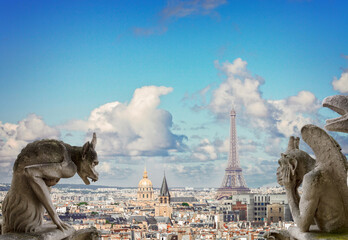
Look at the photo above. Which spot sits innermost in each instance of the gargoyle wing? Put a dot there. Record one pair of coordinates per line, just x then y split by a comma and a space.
329, 158
325, 148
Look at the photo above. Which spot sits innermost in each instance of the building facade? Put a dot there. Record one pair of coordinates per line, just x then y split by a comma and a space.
258, 206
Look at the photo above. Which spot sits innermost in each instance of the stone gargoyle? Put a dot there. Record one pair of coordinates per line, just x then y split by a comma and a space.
325, 192
39, 166
323, 205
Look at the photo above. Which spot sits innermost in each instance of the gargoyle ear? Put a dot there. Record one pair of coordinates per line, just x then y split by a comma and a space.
283, 155
85, 148
293, 165
94, 141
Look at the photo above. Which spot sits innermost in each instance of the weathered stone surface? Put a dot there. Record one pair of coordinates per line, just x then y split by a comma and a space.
316, 234
325, 193
55, 234
86, 234
39, 166
277, 234
339, 104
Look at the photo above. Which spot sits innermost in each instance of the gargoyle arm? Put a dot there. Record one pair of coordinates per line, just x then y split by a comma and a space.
304, 211
36, 175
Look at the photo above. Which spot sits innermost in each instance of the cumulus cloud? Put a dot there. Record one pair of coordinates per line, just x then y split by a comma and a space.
14, 137
294, 112
341, 84
194, 175
205, 151
137, 128
241, 90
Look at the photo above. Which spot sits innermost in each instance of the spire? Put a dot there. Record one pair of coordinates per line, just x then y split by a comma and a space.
145, 173
164, 189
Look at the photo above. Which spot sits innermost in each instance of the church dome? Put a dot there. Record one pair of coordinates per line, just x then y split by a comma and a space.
145, 189
145, 182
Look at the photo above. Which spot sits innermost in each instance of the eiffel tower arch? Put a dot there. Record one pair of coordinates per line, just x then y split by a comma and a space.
233, 181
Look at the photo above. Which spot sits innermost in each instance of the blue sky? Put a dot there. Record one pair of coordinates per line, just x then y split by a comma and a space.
156, 80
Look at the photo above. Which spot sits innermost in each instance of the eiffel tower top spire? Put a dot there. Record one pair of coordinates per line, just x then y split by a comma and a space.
233, 160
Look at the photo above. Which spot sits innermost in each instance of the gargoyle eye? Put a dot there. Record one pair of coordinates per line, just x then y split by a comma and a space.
96, 163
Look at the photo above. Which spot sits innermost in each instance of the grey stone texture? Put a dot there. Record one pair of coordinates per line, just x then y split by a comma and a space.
321, 212
38, 167
54, 234
339, 104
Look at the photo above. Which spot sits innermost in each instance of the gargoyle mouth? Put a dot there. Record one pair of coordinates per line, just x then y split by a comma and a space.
339, 104
87, 179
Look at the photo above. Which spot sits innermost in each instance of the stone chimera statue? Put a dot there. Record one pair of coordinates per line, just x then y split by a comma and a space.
39, 166
324, 201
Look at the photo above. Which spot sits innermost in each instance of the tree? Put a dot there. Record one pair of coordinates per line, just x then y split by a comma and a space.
82, 203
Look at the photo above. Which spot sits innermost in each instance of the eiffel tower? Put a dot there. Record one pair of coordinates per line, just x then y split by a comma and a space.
233, 182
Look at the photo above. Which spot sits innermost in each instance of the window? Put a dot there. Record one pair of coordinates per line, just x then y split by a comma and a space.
271, 211
271, 219
280, 218
280, 209
147, 195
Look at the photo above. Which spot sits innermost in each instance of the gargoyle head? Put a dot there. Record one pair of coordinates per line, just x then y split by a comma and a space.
339, 104
294, 163
85, 168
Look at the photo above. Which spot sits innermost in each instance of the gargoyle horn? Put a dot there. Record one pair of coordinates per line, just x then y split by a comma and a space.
94, 141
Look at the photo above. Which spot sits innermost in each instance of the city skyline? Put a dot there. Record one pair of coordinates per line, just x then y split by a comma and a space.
156, 81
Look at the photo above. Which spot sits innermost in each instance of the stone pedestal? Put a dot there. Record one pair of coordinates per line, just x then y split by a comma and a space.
55, 234
315, 234
294, 233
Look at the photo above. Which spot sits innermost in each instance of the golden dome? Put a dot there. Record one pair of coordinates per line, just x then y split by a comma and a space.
145, 182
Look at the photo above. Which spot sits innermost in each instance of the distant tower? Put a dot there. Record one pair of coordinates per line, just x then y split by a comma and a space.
233, 182
145, 189
163, 207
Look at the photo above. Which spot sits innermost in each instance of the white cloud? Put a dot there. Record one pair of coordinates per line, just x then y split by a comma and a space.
139, 128
14, 137
205, 151
341, 84
294, 112
104, 167
241, 90
195, 174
